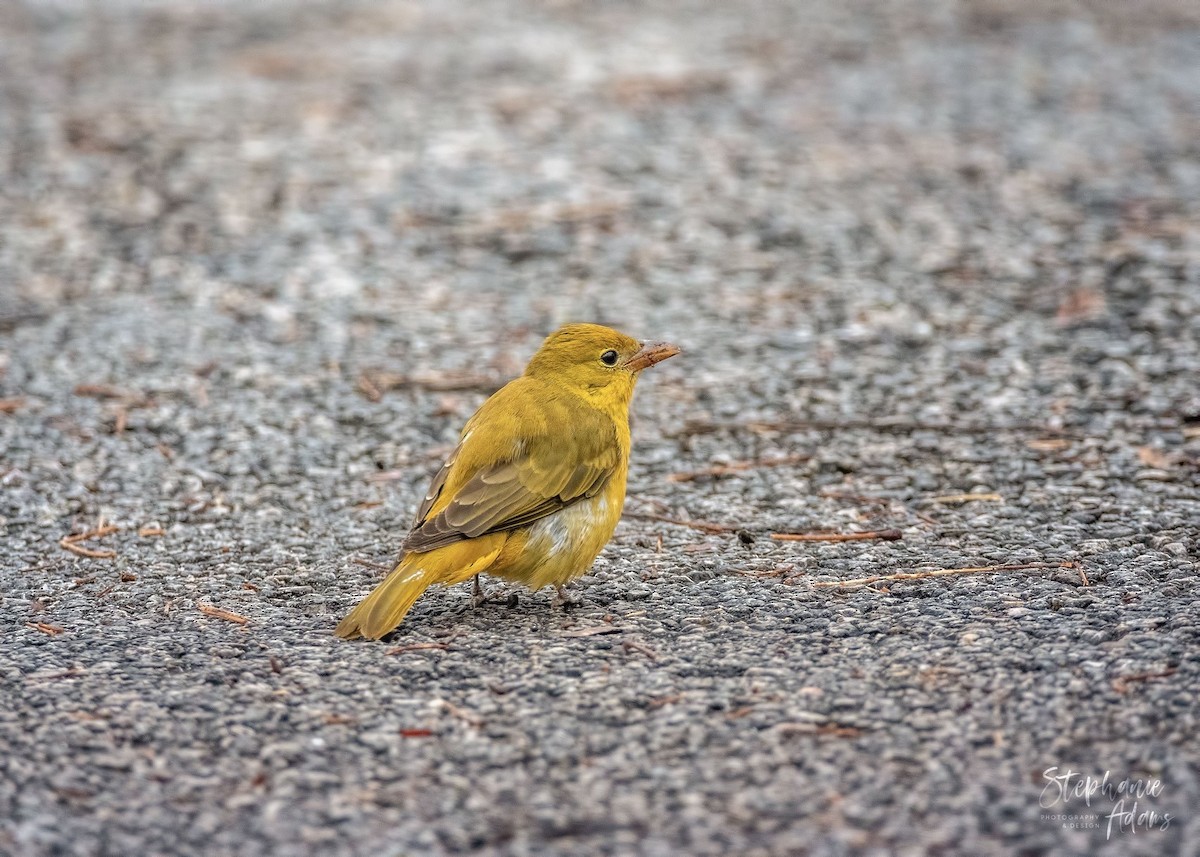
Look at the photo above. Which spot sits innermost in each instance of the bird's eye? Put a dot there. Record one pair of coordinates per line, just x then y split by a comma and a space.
609, 358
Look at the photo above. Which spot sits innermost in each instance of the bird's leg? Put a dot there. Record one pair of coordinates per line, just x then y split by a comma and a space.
481, 596
478, 596
564, 599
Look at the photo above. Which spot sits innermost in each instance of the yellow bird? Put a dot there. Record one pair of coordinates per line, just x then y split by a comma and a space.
534, 489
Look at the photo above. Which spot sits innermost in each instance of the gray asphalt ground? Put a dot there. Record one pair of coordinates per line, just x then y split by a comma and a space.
260, 261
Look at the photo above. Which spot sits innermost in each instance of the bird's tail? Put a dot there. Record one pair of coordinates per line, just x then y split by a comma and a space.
381, 611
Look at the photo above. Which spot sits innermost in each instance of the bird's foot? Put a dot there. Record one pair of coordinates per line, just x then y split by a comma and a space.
564, 599
479, 596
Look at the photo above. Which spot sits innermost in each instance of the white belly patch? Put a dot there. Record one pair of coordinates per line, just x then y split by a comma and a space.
567, 542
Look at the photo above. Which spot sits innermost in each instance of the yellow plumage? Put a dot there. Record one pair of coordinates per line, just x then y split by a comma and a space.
534, 489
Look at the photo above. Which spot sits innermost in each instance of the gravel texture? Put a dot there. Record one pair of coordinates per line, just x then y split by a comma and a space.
259, 262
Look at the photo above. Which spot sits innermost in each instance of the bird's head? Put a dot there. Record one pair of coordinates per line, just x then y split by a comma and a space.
596, 361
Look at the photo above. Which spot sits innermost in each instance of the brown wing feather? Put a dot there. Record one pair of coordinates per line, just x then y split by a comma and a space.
535, 480
435, 487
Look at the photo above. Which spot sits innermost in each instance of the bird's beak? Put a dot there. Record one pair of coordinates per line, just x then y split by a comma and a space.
649, 354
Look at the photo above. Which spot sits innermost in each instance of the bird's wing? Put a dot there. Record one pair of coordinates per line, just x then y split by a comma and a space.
515, 465
435, 487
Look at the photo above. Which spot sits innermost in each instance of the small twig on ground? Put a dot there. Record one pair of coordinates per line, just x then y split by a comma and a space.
703, 526
736, 467
123, 400
1121, 683
103, 553
152, 530
945, 572
105, 530
884, 535
416, 647
694, 427
374, 566
593, 631
635, 646
1048, 444
45, 628
367, 387
642, 89
103, 391
71, 543
377, 383
220, 613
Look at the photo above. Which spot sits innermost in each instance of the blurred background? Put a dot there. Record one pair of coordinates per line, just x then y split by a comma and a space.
830, 173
